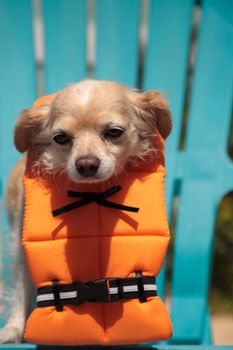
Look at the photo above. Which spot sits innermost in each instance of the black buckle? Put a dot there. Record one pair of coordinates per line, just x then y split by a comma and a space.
93, 291
97, 291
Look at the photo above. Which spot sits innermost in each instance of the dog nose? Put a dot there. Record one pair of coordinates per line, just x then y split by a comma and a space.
87, 166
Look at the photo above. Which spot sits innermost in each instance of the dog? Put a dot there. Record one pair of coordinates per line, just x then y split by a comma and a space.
89, 131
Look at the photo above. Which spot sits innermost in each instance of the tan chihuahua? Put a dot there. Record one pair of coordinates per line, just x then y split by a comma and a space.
89, 132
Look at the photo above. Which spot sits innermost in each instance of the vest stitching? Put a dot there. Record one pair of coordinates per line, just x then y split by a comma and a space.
85, 237
100, 271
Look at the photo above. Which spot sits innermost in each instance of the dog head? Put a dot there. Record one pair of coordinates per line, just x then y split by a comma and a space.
91, 129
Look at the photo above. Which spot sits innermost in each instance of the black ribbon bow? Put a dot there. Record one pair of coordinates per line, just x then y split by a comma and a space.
99, 198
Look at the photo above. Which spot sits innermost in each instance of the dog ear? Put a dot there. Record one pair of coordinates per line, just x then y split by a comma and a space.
30, 122
153, 109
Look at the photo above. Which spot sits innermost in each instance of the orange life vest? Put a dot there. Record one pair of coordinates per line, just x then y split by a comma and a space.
95, 242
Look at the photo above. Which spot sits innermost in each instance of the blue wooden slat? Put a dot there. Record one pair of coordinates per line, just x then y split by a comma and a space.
65, 42
206, 168
166, 67
165, 70
17, 73
18, 347
117, 40
17, 91
207, 335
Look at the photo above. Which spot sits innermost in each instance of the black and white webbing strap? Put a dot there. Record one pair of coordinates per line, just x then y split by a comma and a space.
97, 291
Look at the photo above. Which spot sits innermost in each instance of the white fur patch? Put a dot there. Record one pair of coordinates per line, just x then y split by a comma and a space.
85, 88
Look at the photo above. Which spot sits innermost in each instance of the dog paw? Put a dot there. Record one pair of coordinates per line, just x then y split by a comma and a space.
10, 335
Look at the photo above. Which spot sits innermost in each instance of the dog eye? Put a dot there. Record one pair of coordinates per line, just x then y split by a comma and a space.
114, 133
62, 138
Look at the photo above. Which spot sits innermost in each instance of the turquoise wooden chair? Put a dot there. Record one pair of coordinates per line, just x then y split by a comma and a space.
202, 172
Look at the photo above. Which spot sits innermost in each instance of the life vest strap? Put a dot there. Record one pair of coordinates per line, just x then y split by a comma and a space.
98, 291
